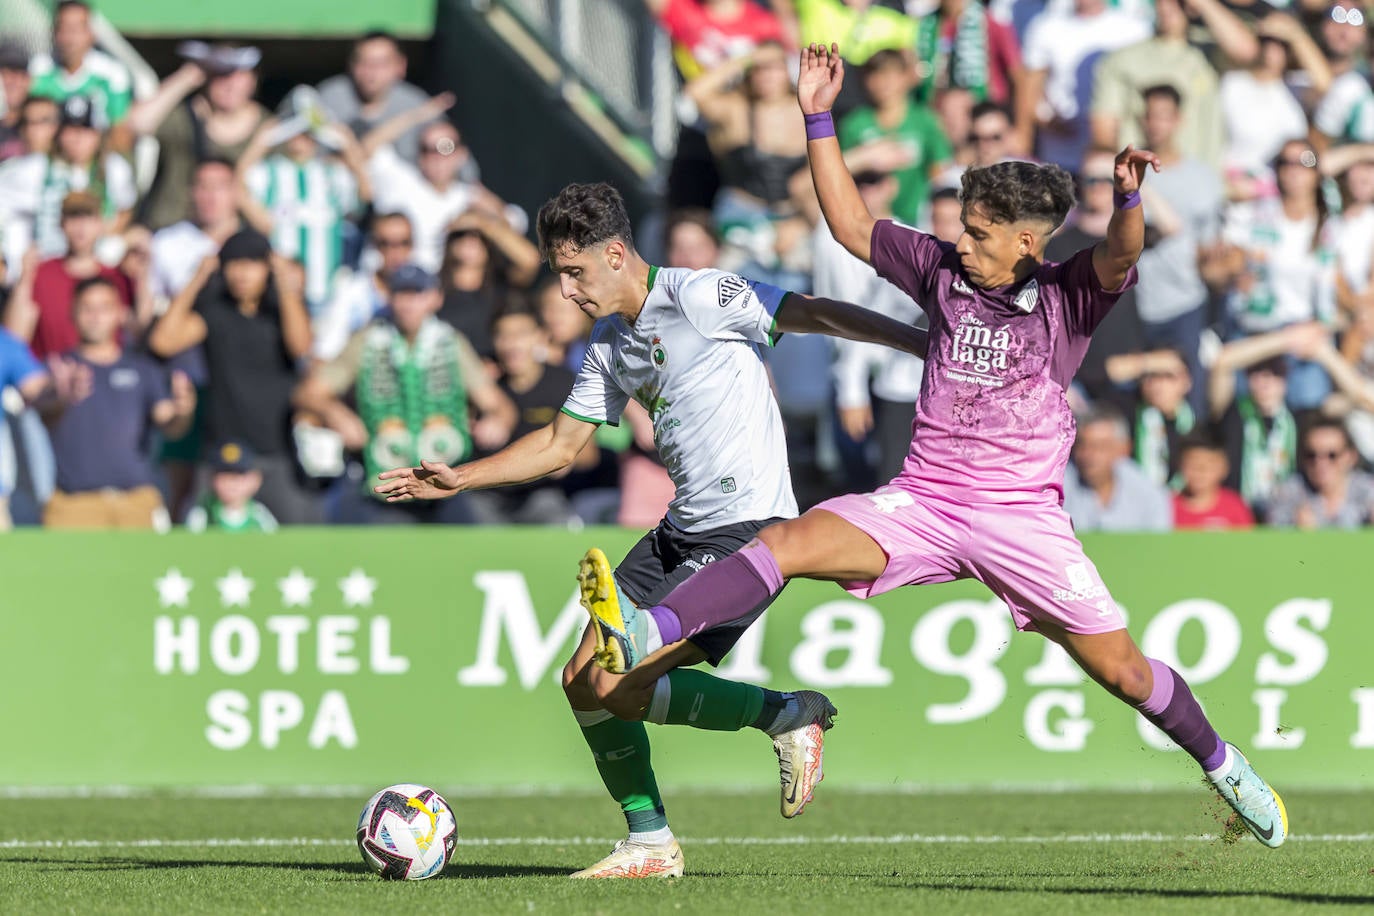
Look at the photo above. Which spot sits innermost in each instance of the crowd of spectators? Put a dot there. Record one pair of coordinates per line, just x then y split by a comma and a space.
299, 297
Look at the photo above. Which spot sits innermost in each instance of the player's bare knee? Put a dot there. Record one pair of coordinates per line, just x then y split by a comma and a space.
785, 541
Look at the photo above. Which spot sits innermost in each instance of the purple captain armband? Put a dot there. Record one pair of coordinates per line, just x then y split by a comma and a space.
1127, 201
819, 125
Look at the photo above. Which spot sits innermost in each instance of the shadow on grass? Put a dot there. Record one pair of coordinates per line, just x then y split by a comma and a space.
456, 870
1363, 900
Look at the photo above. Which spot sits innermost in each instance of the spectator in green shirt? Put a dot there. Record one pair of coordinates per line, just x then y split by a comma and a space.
893, 133
75, 67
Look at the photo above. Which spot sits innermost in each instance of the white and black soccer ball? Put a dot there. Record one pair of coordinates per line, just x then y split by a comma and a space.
407, 832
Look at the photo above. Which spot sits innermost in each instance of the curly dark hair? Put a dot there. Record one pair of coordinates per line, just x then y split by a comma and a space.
1013, 192
582, 215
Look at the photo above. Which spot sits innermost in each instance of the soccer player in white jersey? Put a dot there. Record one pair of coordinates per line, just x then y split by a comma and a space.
980, 495
686, 345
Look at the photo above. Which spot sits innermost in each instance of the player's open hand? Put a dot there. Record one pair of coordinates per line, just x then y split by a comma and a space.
822, 75
1131, 164
431, 480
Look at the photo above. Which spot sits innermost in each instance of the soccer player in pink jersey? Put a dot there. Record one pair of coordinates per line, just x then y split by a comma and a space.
980, 493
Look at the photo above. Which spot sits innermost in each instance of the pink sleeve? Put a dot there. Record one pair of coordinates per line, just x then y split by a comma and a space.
906, 258
1086, 303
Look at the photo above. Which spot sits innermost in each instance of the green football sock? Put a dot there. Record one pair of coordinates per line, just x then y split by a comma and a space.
702, 700
621, 750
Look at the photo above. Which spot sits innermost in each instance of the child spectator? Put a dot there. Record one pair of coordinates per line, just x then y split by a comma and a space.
538, 391
1202, 502
230, 504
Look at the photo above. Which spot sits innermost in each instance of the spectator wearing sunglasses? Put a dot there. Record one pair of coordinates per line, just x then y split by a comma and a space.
1328, 492
1346, 110
358, 299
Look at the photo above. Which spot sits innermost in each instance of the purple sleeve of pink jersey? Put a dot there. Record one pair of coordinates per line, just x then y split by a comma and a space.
1086, 303
906, 258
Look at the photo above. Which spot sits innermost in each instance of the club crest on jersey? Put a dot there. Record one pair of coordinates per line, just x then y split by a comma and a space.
1029, 295
729, 287
658, 354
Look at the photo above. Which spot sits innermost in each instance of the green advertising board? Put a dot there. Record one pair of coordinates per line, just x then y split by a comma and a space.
367, 657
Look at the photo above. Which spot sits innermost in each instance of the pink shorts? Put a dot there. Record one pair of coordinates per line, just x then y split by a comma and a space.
1025, 552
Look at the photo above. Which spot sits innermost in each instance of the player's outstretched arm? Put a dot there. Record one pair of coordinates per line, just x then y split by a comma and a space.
1115, 255
822, 74
815, 315
538, 454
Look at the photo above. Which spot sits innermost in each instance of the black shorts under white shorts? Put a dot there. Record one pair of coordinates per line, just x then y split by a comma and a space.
664, 558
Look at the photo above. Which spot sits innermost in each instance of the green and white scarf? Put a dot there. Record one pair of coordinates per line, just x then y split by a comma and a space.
1266, 458
1152, 440
965, 66
412, 398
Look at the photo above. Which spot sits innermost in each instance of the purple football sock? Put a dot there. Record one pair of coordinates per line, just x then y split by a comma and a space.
719, 593
1173, 709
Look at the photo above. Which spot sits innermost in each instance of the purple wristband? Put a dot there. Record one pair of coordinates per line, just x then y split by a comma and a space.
1128, 201
819, 125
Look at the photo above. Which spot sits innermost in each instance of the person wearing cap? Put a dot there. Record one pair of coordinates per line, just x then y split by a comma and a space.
413, 378
40, 308
360, 297
303, 194
32, 187
374, 90
106, 402
246, 310
75, 67
229, 503
203, 110
14, 89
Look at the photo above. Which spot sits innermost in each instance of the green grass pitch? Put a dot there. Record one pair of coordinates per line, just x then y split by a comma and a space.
852, 852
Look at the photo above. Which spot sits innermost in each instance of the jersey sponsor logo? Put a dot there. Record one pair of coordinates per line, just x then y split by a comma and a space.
980, 352
959, 286
1082, 588
889, 501
729, 287
1029, 295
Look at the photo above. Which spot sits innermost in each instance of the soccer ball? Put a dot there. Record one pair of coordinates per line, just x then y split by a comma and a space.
407, 832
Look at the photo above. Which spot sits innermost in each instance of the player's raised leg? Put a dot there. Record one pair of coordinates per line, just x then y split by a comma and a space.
661, 689
1115, 661
621, 751
818, 545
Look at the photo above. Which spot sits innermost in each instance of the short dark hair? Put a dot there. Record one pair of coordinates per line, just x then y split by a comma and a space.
91, 283
378, 35
887, 57
690, 216
1319, 421
580, 216
1010, 192
1202, 439
517, 306
985, 108
944, 193
1162, 91
212, 160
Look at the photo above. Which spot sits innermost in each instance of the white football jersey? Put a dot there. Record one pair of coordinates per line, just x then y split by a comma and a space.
692, 358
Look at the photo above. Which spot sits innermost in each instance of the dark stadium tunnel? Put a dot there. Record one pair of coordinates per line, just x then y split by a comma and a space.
128, 863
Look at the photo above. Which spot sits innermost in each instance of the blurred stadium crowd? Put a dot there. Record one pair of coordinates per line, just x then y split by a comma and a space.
295, 299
